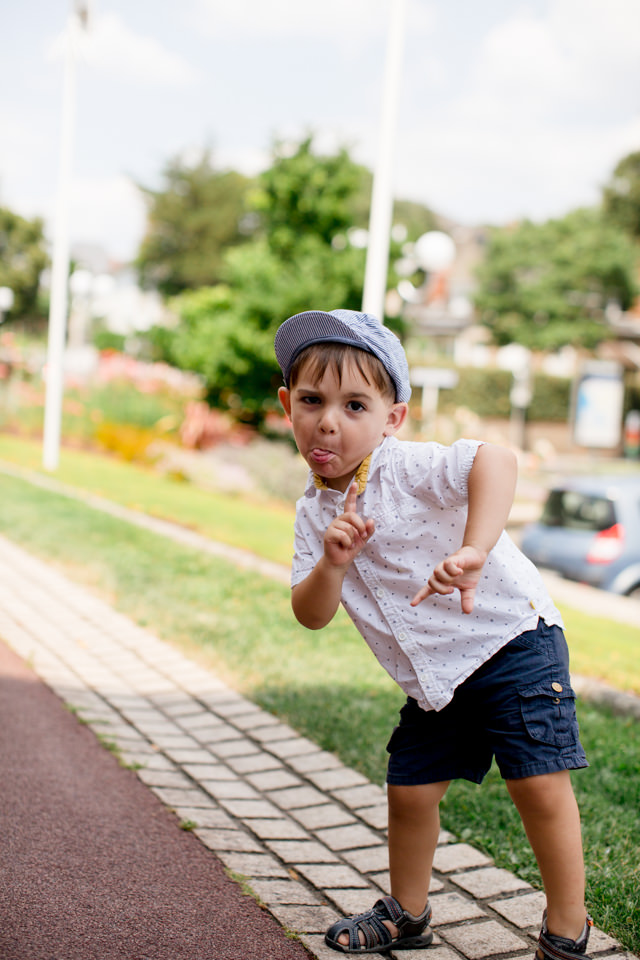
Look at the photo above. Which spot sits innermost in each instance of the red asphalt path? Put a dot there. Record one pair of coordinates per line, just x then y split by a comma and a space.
92, 866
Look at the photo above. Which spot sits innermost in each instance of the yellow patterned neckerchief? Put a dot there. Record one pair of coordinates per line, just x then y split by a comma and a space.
360, 478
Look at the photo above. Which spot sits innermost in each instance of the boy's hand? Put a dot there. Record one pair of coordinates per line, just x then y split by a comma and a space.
460, 571
347, 534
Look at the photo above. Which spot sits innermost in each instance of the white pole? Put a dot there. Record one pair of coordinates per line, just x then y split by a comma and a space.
375, 279
60, 259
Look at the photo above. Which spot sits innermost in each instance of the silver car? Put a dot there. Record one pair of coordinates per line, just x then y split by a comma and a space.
590, 531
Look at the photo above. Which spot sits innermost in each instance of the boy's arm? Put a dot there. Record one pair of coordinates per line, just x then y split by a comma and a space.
492, 482
316, 598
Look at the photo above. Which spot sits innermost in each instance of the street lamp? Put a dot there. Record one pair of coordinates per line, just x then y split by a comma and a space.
76, 23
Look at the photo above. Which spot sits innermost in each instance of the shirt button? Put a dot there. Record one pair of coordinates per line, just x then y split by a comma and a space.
379, 592
557, 687
402, 636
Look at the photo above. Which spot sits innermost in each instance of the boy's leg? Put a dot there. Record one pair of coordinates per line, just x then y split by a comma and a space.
549, 812
414, 826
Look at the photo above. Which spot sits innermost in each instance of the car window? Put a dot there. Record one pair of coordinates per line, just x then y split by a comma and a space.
578, 511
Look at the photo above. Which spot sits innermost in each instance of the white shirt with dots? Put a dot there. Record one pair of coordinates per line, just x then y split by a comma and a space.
417, 495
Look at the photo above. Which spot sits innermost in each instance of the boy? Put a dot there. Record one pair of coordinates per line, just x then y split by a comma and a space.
478, 649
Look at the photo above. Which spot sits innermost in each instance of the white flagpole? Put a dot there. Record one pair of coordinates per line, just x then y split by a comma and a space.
375, 280
60, 257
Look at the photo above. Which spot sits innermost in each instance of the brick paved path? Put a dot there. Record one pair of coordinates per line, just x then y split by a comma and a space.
306, 832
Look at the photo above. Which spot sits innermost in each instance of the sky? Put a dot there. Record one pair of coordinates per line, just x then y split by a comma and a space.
506, 109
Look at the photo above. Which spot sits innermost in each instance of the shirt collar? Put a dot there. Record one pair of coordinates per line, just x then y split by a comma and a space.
360, 476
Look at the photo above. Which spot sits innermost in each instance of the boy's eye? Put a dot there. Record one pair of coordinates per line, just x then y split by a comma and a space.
310, 400
355, 405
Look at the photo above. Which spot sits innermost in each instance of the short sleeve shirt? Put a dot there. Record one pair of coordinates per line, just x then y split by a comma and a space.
417, 495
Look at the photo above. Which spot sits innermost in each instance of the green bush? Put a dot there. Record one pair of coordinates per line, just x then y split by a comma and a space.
487, 393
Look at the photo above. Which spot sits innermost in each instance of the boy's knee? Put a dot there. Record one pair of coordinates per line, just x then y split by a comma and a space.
544, 793
414, 800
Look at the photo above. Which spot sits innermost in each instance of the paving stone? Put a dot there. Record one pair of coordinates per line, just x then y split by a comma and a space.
213, 734
478, 940
230, 789
295, 797
289, 748
304, 919
163, 778
189, 756
252, 865
198, 719
326, 876
276, 779
324, 815
348, 837
301, 851
254, 720
523, 911
455, 856
218, 840
367, 795
250, 808
382, 879
350, 902
274, 731
253, 763
453, 908
284, 891
377, 816
219, 732
283, 829
445, 837
181, 798
315, 760
206, 817
232, 748
369, 860
209, 771
318, 948
489, 882
336, 779
599, 941
228, 704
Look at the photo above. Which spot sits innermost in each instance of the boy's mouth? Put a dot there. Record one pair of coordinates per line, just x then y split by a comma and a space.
319, 455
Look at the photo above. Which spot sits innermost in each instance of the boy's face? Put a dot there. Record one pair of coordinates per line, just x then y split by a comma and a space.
337, 424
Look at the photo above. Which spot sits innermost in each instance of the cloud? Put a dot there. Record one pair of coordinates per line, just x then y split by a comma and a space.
542, 118
112, 47
339, 21
108, 211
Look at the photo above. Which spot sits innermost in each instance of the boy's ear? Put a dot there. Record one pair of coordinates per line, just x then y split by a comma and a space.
284, 396
397, 416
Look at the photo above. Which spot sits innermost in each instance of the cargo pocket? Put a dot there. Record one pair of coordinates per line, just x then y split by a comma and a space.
549, 714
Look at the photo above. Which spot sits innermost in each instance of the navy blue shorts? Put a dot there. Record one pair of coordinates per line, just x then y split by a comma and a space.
517, 707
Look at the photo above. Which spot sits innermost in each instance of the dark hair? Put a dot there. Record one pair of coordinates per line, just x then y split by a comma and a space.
329, 353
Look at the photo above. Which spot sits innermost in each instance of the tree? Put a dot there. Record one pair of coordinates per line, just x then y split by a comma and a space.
547, 285
191, 221
23, 257
306, 194
621, 196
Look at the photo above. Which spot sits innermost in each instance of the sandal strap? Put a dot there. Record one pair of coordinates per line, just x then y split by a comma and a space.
562, 948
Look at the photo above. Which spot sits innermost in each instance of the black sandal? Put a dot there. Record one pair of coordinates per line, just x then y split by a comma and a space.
551, 947
412, 931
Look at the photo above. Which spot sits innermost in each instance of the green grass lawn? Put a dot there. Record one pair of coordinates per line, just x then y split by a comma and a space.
326, 684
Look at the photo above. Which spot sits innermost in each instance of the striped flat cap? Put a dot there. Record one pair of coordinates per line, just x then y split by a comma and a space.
344, 326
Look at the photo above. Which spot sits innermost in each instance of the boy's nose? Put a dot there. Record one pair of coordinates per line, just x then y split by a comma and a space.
328, 422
